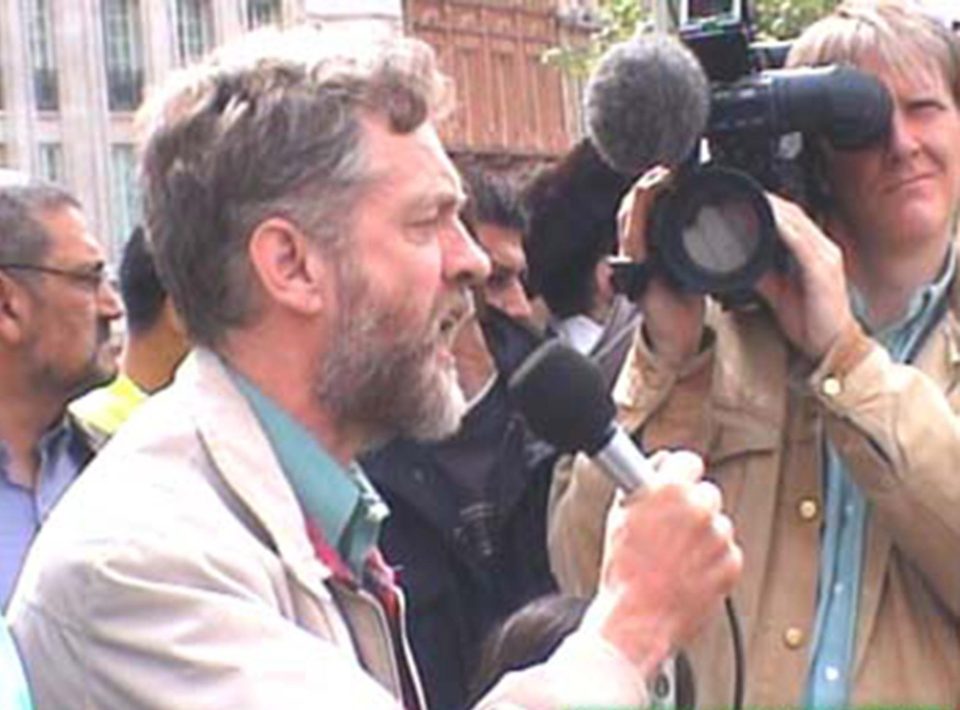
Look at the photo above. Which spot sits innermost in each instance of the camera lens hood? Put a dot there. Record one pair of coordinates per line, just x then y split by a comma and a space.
714, 232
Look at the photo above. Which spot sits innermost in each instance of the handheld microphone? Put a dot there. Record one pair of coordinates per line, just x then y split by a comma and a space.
647, 104
564, 399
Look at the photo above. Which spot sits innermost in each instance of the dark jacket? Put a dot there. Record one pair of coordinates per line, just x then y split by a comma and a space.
467, 528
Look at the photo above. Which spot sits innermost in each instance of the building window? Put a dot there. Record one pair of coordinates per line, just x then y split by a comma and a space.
125, 192
122, 50
50, 162
193, 29
43, 62
263, 12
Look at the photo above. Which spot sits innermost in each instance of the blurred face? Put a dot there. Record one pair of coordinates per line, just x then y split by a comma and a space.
504, 289
69, 349
402, 293
901, 195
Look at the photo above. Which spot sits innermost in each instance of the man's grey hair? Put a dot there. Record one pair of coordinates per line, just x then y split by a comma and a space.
23, 202
268, 127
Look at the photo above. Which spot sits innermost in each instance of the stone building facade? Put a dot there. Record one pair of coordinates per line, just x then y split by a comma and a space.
72, 73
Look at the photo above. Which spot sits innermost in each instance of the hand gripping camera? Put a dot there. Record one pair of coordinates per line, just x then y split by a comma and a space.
713, 231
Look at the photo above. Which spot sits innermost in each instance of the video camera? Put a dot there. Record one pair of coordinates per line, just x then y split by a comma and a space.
713, 231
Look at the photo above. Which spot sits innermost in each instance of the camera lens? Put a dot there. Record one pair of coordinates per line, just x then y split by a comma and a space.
722, 237
715, 232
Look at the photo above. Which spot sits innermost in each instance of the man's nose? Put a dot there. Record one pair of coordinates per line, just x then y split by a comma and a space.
514, 302
464, 261
109, 303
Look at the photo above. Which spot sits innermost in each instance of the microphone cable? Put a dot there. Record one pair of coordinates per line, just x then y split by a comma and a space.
739, 661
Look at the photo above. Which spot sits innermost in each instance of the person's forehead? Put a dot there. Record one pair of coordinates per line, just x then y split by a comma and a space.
911, 74
410, 167
496, 238
69, 234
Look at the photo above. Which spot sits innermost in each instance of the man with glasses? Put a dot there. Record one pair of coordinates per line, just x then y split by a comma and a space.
154, 345
56, 307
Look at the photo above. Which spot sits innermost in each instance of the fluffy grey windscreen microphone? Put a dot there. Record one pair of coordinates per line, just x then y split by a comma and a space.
647, 103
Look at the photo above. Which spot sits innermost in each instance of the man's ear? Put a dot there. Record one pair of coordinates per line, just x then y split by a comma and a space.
15, 310
287, 266
604, 289
172, 317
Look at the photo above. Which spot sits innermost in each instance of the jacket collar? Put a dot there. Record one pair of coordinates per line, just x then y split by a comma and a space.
245, 461
940, 355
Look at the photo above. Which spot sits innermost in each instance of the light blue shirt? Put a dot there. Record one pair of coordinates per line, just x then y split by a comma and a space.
63, 452
341, 501
14, 694
845, 518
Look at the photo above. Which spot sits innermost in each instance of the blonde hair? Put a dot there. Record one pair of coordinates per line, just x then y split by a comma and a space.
897, 33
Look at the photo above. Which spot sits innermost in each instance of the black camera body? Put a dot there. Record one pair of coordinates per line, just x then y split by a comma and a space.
713, 230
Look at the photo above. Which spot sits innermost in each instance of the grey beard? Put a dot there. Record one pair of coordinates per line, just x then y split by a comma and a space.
386, 386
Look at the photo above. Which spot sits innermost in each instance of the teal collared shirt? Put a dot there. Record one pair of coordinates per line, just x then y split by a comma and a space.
845, 517
340, 501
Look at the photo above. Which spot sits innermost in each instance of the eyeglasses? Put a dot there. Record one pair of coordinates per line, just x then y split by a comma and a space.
93, 276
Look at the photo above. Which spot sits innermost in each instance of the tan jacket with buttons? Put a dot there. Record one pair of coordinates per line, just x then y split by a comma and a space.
760, 423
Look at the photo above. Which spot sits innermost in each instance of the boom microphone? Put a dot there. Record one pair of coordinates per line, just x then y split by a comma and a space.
563, 396
647, 104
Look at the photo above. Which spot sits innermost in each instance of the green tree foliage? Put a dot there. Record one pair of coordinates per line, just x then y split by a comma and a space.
616, 21
775, 19
785, 19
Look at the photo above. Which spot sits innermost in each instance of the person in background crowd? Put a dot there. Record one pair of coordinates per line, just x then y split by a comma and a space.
498, 223
510, 325
530, 634
56, 309
527, 637
830, 417
155, 343
571, 230
305, 219
467, 525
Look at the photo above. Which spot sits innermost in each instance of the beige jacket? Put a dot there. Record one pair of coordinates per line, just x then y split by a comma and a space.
177, 574
760, 424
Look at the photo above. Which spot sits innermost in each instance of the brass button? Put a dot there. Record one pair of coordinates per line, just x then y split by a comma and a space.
793, 637
808, 509
831, 387
661, 686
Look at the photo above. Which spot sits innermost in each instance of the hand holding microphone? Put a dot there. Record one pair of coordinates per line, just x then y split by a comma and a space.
669, 557
669, 560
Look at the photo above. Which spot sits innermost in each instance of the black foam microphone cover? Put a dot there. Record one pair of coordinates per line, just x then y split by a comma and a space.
564, 398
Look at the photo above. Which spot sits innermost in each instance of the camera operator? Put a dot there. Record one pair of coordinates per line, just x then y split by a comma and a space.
828, 417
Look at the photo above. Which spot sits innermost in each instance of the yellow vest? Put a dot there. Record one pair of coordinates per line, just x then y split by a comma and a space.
106, 408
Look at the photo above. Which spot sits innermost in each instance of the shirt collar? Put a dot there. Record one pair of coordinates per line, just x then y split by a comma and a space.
340, 501
921, 302
56, 437
580, 331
